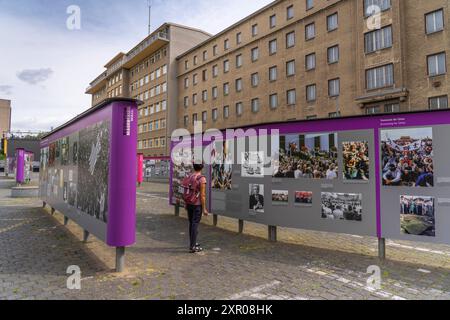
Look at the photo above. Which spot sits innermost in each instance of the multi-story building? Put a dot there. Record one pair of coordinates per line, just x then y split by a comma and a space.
5, 117
307, 59
148, 72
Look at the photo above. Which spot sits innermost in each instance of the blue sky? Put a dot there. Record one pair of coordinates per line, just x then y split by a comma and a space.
46, 67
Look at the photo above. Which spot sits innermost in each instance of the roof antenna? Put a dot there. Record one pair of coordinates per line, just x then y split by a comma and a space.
149, 3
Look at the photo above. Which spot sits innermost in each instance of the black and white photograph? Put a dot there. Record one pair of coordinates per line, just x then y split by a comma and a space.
417, 216
342, 206
303, 198
256, 198
222, 165
252, 164
407, 157
280, 197
93, 170
311, 156
356, 160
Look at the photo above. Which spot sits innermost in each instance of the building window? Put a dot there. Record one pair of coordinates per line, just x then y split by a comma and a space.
205, 75
255, 54
435, 21
226, 66
373, 110
226, 89
380, 77
437, 64
195, 79
310, 31
215, 114
273, 73
333, 54
186, 102
186, 83
291, 97
195, 60
239, 61
334, 87
226, 44
194, 99
226, 112
273, 101
378, 39
215, 71
205, 55
215, 50
273, 21
332, 22
334, 115
290, 39
186, 65
436, 103
215, 92
205, 95
239, 38
310, 61
204, 116
239, 85
255, 105
290, 68
186, 121
239, 108
194, 118
311, 93
273, 46
372, 7
255, 79
392, 108
254, 30
290, 12
309, 4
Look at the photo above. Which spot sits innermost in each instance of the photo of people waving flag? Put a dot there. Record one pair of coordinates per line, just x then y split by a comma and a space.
356, 160
407, 157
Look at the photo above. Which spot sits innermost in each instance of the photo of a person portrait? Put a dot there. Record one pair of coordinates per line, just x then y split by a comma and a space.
407, 156
256, 198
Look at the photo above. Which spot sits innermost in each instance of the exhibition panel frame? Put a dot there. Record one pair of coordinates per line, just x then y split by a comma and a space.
88, 171
384, 176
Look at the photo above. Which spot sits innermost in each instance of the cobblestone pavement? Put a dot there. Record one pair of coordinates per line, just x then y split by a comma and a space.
37, 249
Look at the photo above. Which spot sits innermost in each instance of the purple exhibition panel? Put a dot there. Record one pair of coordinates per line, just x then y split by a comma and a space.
384, 175
88, 171
20, 165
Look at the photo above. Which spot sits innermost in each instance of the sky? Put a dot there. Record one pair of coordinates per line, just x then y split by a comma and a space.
45, 67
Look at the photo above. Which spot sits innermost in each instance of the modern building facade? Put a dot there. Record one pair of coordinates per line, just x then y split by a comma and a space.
148, 72
5, 117
308, 59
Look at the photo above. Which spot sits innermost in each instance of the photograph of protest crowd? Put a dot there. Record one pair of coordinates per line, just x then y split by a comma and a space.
252, 164
356, 160
417, 216
256, 198
182, 164
407, 157
303, 198
280, 197
311, 156
342, 206
222, 165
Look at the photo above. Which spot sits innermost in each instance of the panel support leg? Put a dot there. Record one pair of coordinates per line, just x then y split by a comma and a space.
382, 248
215, 220
177, 211
85, 236
241, 226
53, 211
272, 234
120, 259
66, 221
44, 204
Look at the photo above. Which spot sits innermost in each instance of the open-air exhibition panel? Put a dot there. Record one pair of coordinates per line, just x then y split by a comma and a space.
385, 176
88, 171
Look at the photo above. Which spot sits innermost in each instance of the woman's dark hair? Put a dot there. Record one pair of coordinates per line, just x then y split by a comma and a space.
198, 167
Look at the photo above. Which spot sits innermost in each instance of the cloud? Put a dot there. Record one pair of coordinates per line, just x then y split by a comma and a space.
34, 76
7, 90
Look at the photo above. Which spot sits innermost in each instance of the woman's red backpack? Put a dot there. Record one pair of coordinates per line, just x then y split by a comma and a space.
191, 189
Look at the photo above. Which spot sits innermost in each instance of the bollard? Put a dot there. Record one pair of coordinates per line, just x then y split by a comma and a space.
241, 226
66, 221
382, 248
272, 234
85, 236
177, 211
120, 259
215, 220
